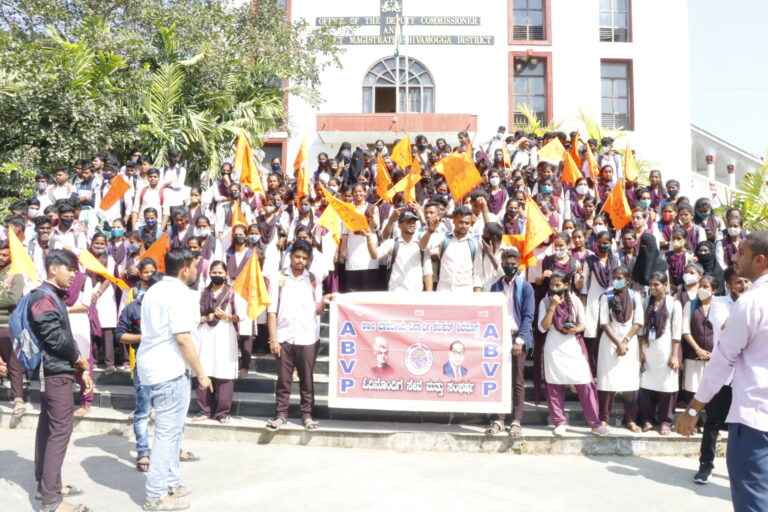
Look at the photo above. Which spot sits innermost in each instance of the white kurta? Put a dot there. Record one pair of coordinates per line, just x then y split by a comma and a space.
79, 322
106, 306
593, 293
564, 361
616, 373
658, 376
218, 347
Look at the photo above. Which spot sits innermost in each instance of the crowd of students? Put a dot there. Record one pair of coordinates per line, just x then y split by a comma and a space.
633, 312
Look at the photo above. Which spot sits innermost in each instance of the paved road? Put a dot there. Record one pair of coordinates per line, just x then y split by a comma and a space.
235, 477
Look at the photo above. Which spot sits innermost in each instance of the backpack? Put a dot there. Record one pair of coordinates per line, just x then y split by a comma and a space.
25, 343
447, 240
144, 192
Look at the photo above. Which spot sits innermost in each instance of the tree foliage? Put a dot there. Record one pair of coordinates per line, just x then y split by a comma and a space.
751, 198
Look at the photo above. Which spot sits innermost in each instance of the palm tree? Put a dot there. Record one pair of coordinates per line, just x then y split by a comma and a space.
751, 198
533, 124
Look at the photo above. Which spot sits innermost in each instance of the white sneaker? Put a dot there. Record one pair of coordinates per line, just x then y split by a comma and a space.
560, 431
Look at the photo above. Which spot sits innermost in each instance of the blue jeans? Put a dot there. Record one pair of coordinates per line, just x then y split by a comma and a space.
747, 459
170, 400
141, 417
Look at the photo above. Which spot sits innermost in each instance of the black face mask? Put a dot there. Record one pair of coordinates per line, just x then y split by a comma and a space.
239, 240
705, 258
673, 192
234, 195
65, 222
509, 270
558, 292
217, 280
421, 147
604, 248
196, 253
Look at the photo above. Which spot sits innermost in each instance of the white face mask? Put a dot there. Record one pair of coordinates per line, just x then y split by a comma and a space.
569, 231
734, 231
606, 149
703, 294
599, 229
561, 254
33, 213
582, 189
495, 182
690, 279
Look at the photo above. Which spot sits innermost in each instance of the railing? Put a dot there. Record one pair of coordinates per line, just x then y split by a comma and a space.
702, 186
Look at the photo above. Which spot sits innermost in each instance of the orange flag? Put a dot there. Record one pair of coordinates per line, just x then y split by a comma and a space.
593, 170
117, 189
505, 156
331, 221
90, 262
383, 180
552, 150
249, 174
300, 171
631, 171
537, 228
157, 252
462, 176
250, 286
347, 213
21, 263
468, 153
406, 184
575, 150
518, 241
571, 171
238, 217
617, 207
401, 153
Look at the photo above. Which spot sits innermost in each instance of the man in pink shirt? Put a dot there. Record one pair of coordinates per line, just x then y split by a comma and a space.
743, 349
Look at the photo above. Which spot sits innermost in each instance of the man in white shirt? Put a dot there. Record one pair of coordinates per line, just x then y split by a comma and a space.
169, 319
495, 142
608, 157
457, 252
295, 301
151, 196
62, 189
66, 235
407, 265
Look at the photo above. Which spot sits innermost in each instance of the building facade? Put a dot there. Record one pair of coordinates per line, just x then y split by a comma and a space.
440, 66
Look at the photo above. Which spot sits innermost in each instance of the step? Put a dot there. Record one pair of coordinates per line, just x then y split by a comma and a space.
397, 436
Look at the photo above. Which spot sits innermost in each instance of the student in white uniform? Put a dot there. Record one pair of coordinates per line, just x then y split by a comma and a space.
660, 346
561, 317
698, 333
618, 357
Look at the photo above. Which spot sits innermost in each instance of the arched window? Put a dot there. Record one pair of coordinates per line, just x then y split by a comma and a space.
398, 84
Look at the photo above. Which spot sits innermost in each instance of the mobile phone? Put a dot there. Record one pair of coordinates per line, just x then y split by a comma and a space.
568, 325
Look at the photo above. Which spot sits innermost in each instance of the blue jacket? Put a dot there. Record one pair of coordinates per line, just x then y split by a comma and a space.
525, 308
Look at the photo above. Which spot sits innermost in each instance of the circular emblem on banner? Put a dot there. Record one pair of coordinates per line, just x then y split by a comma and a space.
418, 359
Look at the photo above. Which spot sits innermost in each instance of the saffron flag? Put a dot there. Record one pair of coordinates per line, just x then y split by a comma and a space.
571, 171
238, 217
401, 153
21, 263
537, 228
331, 221
631, 171
300, 171
593, 170
249, 174
157, 252
552, 150
407, 184
462, 176
518, 242
383, 180
347, 213
468, 153
617, 207
250, 286
575, 150
90, 262
117, 189
505, 156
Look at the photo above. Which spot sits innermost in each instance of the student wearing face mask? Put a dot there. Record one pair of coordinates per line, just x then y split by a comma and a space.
727, 248
218, 346
236, 257
134, 252
678, 257
203, 265
574, 206
41, 191
666, 225
305, 217
706, 218
65, 236
608, 157
104, 306
698, 333
618, 359
497, 195
210, 246
705, 256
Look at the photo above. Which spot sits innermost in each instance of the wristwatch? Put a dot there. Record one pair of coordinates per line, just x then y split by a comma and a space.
692, 412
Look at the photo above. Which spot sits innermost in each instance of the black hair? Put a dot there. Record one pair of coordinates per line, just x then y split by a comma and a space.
177, 259
59, 257
759, 242
510, 253
143, 160
301, 245
155, 278
153, 170
714, 281
728, 274
477, 194
217, 263
461, 211
41, 176
660, 276
41, 220
146, 262
4, 245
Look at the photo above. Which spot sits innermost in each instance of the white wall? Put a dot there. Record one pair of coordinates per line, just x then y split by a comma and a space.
474, 79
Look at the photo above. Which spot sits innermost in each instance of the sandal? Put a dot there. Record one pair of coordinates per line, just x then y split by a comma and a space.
665, 430
311, 424
275, 423
142, 466
81, 412
55, 506
71, 491
169, 502
515, 430
647, 427
191, 457
19, 408
243, 373
201, 417
633, 427
224, 419
494, 428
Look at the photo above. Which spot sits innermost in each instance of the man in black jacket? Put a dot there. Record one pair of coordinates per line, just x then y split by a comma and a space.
50, 324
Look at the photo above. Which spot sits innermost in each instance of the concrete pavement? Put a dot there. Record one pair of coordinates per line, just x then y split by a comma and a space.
235, 477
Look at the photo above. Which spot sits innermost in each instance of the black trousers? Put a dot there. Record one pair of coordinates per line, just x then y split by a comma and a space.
717, 410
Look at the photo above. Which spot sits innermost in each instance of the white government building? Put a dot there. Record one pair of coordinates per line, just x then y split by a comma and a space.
468, 65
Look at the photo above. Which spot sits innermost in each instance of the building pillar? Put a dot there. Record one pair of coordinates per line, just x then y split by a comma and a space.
711, 167
731, 176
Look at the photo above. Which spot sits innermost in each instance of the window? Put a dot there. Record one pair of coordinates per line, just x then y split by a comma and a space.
614, 21
398, 84
530, 87
528, 20
616, 94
